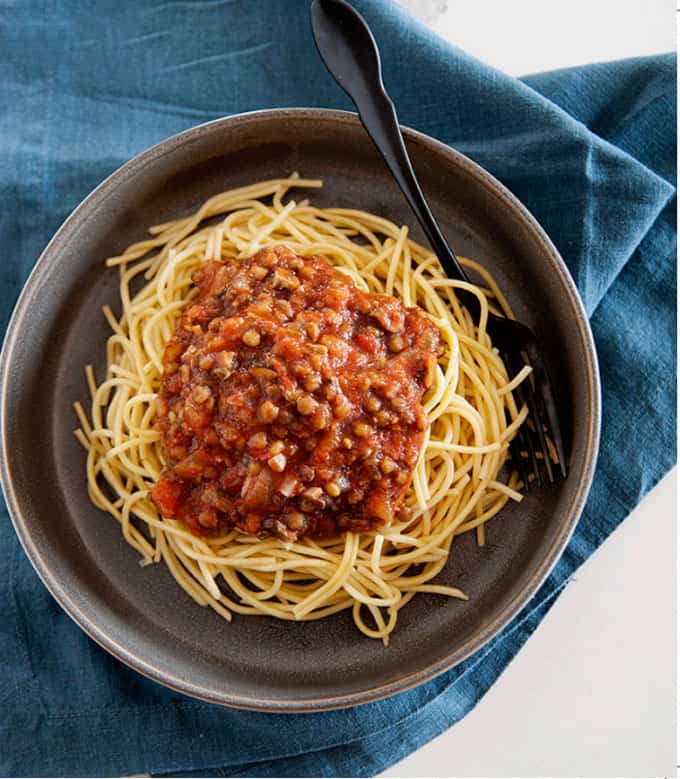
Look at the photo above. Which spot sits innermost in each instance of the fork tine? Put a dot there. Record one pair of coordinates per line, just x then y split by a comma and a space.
547, 403
537, 419
518, 460
515, 364
525, 440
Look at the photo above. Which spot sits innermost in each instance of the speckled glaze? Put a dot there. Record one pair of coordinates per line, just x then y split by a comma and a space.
139, 614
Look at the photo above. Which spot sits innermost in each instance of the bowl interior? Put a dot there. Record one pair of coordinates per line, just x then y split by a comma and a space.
140, 614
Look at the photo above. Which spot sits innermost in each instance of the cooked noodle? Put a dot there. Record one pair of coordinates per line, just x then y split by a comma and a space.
456, 485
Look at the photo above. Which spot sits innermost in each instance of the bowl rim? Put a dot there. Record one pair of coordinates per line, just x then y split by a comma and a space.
62, 592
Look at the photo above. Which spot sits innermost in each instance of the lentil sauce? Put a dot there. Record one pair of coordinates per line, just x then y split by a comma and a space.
290, 400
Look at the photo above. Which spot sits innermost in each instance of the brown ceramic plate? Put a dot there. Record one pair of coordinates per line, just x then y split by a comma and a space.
139, 614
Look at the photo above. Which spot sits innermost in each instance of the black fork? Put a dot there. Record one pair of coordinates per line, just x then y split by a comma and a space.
350, 53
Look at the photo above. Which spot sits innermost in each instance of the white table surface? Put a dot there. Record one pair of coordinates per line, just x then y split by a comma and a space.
593, 692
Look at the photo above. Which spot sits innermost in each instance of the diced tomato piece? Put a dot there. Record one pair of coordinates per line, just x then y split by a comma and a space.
259, 493
377, 506
327, 444
167, 496
325, 527
253, 523
367, 341
193, 465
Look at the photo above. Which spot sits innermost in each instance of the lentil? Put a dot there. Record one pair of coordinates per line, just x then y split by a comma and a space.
361, 429
277, 463
295, 520
388, 465
372, 404
268, 412
312, 383
395, 343
259, 272
251, 337
201, 393
258, 440
313, 330
306, 405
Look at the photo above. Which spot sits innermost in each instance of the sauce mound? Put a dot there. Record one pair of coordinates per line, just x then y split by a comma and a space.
290, 400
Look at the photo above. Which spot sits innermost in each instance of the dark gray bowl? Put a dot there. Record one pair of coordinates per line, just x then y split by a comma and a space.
139, 614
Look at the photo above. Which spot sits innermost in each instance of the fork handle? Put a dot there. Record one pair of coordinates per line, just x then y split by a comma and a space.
350, 53
379, 117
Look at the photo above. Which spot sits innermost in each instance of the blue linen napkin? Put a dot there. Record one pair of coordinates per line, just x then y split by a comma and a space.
591, 152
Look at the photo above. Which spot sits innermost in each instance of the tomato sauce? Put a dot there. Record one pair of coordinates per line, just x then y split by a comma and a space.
290, 400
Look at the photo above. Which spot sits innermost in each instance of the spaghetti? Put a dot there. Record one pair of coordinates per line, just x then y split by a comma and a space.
471, 412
